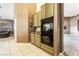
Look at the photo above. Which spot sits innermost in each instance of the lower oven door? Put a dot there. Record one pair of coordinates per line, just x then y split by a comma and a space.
48, 40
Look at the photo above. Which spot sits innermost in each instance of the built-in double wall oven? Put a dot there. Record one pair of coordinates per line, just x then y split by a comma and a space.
47, 28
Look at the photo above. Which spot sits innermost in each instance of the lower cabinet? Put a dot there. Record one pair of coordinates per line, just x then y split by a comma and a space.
37, 40
32, 38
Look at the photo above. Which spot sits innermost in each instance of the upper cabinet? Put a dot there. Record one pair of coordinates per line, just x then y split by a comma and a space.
43, 11
37, 18
49, 9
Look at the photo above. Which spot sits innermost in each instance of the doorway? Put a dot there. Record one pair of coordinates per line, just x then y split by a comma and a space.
71, 29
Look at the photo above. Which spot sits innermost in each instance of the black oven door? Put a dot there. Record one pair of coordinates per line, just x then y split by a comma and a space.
47, 31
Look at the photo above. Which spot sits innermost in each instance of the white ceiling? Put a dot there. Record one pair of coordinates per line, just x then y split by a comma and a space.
71, 9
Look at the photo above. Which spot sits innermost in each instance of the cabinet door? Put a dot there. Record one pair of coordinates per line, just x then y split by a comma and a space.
49, 10
35, 20
37, 40
39, 19
32, 38
43, 11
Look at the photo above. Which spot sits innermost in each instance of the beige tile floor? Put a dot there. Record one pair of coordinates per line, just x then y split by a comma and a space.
71, 44
8, 47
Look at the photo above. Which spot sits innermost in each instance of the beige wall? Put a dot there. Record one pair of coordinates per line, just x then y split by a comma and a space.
67, 24
74, 24
23, 12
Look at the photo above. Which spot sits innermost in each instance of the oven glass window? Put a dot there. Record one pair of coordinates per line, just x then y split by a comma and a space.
46, 39
47, 27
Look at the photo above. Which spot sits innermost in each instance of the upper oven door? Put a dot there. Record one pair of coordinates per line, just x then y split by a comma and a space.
47, 25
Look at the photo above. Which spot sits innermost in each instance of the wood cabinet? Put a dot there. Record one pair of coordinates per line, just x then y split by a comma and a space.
43, 11
32, 38
46, 11
49, 9
36, 20
37, 40
39, 18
